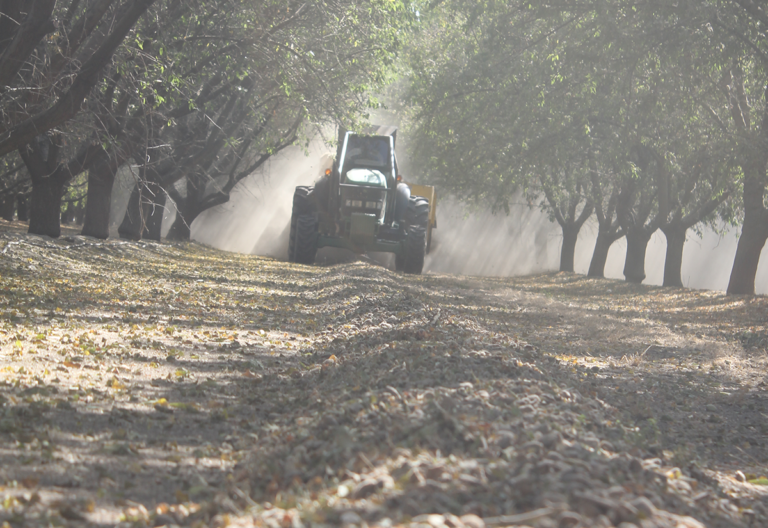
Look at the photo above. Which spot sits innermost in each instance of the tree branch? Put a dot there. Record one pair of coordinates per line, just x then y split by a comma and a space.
36, 25
69, 104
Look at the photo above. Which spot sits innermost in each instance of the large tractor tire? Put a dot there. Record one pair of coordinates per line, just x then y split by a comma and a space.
418, 212
304, 239
303, 200
302, 244
415, 244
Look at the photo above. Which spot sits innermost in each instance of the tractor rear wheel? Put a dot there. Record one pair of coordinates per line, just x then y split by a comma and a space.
418, 212
411, 260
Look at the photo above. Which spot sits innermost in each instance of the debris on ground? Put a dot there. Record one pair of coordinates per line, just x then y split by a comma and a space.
148, 384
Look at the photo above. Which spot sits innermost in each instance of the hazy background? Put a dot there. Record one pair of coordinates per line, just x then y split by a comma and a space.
257, 217
527, 242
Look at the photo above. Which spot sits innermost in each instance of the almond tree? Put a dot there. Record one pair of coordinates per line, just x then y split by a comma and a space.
743, 25
255, 73
562, 178
46, 80
493, 120
605, 187
492, 81
275, 71
52, 57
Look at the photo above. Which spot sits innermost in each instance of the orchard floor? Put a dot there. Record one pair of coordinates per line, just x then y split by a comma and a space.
148, 384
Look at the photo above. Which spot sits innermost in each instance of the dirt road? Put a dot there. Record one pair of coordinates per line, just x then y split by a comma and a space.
152, 384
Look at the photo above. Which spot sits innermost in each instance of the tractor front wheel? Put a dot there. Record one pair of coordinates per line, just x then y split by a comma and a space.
302, 244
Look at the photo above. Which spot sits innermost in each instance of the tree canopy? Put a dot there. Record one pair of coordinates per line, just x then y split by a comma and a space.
652, 113
195, 94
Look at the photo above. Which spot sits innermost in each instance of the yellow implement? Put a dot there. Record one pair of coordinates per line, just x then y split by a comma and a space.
428, 192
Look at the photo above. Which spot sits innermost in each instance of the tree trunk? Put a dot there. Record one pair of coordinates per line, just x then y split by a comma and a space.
48, 183
8, 207
79, 215
68, 217
600, 254
754, 233
154, 210
132, 225
179, 229
754, 230
568, 249
45, 207
101, 178
153, 229
186, 211
22, 207
146, 208
673, 262
634, 263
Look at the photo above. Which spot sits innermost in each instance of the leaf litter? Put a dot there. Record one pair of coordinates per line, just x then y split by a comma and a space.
147, 384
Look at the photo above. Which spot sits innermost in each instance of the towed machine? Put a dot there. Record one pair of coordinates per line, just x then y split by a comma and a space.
361, 204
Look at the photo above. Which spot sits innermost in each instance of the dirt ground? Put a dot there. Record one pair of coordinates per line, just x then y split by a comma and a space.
147, 384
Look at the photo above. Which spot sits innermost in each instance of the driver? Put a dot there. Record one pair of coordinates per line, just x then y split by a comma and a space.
369, 154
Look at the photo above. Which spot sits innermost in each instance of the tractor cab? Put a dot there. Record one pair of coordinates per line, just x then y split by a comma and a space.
366, 174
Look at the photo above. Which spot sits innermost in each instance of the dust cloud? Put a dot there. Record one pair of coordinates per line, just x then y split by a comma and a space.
527, 242
257, 218
258, 215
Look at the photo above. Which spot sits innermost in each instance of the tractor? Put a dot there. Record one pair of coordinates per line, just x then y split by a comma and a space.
362, 204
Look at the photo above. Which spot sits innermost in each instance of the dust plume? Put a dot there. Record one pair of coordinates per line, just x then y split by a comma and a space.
492, 245
258, 215
526, 241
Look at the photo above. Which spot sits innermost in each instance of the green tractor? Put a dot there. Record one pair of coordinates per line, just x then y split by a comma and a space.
362, 205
